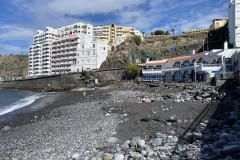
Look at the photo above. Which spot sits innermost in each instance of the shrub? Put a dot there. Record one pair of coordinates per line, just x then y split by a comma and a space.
84, 73
132, 71
137, 40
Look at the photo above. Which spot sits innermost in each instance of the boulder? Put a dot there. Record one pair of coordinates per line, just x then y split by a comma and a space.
112, 140
118, 156
220, 143
5, 129
172, 139
160, 135
205, 95
135, 155
217, 152
231, 149
157, 142
134, 141
213, 123
196, 135
141, 143
107, 156
198, 98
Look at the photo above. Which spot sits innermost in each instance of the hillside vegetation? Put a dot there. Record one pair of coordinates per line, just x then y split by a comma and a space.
13, 65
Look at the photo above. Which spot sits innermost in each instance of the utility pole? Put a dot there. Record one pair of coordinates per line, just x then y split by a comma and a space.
203, 46
195, 74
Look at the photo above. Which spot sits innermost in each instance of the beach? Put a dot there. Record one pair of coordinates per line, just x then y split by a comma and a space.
66, 126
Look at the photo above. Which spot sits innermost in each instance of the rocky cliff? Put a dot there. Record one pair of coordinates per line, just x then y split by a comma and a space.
13, 65
164, 47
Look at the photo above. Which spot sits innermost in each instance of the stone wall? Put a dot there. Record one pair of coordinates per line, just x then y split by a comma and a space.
63, 82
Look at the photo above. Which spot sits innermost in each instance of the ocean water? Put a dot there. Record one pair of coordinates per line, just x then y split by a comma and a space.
12, 99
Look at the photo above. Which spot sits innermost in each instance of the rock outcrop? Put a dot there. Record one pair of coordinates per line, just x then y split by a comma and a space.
13, 65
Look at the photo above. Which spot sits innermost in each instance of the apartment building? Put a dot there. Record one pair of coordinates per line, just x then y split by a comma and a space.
234, 23
115, 34
217, 23
57, 51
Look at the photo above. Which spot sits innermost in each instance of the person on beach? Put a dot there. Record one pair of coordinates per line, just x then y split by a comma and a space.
84, 94
147, 100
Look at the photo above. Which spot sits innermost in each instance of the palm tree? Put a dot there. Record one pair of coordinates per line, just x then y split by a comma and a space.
173, 30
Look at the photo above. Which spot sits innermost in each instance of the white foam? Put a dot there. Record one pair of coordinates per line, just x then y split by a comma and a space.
20, 104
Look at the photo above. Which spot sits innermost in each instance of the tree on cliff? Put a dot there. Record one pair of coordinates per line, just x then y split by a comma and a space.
137, 40
159, 32
166, 33
132, 71
173, 30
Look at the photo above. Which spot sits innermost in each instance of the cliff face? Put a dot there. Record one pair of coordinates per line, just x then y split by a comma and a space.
154, 49
13, 65
165, 47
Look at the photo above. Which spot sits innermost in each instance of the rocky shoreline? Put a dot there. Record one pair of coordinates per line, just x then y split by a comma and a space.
181, 122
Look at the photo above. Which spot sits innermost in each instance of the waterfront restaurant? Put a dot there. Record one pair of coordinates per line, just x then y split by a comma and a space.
217, 63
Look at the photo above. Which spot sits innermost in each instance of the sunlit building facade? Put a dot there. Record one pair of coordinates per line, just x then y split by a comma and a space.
62, 50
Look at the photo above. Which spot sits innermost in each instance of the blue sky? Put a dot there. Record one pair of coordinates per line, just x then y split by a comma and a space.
19, 19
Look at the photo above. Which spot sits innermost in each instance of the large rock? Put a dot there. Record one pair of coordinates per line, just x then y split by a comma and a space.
135, 155
134, 141
157, 142
6, 128
228, 137
199, 98
231, 149
141, 143
217, 152
118, 156
220, 143
213, 123
205, 95
112, 140
160, 135
107, 156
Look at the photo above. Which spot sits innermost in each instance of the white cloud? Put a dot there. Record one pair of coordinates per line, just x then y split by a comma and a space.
83, 7
11, 32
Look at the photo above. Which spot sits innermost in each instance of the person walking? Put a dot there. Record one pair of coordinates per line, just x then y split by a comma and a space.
84, 94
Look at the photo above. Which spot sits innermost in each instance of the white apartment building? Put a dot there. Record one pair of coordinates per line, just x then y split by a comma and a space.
234, 23
57, 51
218, 63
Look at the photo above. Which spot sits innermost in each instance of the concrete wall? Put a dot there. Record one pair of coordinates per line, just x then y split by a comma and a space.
63, 82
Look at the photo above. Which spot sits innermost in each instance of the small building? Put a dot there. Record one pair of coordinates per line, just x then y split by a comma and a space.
200, 67
191, 31
217, 23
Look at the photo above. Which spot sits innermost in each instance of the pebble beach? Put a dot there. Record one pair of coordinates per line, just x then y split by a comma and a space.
181, 122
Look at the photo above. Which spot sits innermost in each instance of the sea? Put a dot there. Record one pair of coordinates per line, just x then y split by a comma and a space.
13, 99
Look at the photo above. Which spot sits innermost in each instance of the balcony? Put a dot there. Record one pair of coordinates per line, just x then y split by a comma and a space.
199, 67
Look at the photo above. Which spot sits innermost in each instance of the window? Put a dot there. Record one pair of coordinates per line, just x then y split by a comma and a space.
94, 52
82, 46
103, 48
228, 61
93, 45
82, 53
